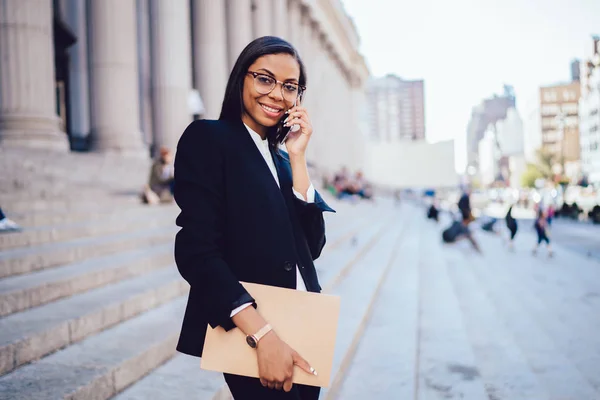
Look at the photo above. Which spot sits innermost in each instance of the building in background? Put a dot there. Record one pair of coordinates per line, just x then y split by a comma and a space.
532, 132
589, 114
511, 144
127, 76
396, 108
575, 70
501, 151
488, 157
487, 112
559, 107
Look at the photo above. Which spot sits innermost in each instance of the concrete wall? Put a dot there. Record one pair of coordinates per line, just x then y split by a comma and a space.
411, 164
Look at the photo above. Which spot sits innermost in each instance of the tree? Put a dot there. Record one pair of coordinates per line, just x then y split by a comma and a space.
531, 174
545, 162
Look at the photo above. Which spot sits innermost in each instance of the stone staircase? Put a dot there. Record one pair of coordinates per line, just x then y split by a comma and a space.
91, 302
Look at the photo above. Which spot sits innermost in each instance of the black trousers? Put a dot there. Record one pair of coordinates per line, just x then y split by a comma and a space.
244, 388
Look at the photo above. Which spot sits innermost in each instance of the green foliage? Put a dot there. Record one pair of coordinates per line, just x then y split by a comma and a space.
546, 160
531, 174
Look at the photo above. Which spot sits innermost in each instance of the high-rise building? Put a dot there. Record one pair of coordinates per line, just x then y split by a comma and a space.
489, 111
559, 109
396, 108
589, 114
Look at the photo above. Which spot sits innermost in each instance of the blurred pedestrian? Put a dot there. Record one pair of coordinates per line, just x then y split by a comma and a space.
459, 230
511, 224
464, 206
249, 212
541, 228
489, 225
7, 225
160, 182
433, 212
550, 213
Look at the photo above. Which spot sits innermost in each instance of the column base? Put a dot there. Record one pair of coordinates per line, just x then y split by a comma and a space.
115, 145
27, 131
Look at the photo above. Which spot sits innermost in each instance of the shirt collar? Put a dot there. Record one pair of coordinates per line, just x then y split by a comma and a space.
256, 137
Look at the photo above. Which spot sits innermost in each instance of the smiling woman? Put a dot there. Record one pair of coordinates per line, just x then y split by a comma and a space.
250, 213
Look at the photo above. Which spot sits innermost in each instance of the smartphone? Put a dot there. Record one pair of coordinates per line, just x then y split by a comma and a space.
286, 130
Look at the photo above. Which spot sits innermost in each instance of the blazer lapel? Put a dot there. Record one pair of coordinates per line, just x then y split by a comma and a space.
285, 176
256, 158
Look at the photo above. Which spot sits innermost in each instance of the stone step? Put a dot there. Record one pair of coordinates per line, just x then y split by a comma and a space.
446, 362
543, 348
23, 260
34, 333
22, 292
358, 290
196, 383
179, 378
101, 366
23, 203
556, 299
506, 373
51, 391
113, 223
94, 212
384, 366
336, 263
28, 259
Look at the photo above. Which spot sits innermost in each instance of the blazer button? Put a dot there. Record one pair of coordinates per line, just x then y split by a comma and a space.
287, 266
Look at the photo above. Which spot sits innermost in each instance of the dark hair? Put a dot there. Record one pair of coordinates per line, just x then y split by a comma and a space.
233, 103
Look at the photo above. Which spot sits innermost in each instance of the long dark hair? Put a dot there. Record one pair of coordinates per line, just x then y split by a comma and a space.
233, 103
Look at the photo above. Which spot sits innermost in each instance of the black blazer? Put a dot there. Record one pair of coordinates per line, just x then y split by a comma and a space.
237, 225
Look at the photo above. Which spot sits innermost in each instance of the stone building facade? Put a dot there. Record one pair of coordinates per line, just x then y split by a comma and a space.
122, 76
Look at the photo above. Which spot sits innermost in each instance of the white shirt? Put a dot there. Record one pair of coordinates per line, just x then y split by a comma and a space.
263, 147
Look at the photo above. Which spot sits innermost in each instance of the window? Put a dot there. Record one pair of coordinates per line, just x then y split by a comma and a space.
549, 96
550, 109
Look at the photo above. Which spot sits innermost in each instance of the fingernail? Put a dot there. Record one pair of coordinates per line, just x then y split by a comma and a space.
312, 370
287, 111
286, 120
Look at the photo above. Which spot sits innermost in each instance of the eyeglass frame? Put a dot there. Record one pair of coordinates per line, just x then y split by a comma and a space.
301, 88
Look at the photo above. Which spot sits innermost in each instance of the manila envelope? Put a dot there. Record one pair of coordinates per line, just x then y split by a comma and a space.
306, 321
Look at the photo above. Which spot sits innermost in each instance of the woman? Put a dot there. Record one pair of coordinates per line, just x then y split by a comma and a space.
249, 213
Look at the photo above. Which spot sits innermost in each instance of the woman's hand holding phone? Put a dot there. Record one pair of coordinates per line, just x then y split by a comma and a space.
297, 141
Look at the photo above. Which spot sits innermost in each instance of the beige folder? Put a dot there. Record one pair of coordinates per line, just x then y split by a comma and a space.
306, 321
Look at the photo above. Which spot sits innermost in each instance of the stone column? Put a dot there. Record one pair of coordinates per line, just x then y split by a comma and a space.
27, 79
171, 69
295, 24
280, 18
262, 19
114, 77
79, 84
307, 40
211, 66
145, 72
239, 27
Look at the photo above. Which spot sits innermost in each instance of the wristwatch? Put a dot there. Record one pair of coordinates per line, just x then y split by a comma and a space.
252, 340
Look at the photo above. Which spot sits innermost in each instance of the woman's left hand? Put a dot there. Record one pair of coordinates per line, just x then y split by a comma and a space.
297, 142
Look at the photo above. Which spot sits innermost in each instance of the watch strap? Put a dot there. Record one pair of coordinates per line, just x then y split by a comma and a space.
262, 332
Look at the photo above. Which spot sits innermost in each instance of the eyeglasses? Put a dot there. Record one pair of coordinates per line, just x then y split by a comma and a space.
264, 84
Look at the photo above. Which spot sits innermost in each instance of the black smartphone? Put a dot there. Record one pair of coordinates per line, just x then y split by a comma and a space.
285, 130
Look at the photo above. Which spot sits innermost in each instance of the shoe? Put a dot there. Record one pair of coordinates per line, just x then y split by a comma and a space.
6, 225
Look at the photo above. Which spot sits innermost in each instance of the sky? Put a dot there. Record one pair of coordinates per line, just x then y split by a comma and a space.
465, 50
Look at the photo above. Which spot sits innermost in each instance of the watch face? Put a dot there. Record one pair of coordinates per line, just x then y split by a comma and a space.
251, 342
